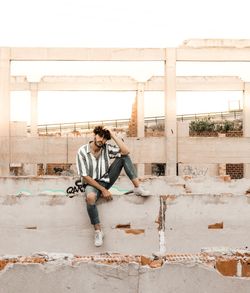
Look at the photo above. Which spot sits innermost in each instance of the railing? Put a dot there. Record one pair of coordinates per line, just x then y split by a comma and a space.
79, 128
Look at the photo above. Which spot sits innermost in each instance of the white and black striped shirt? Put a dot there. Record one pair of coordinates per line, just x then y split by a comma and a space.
97, 168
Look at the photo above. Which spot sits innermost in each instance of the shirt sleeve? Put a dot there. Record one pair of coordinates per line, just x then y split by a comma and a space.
81, 164
113, 151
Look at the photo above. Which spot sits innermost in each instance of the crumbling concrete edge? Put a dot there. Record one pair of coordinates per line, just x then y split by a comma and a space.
226, 262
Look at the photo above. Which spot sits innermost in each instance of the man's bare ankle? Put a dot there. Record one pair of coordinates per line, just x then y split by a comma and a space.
97, 227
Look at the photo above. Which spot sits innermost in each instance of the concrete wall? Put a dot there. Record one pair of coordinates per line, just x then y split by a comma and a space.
127, 278
47, 240
192, 151
36, 214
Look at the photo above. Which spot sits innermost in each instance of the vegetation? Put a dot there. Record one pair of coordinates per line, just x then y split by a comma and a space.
207, 125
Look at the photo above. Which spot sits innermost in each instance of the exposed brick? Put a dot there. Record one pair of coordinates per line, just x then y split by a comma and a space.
3, 263
227, 267
135, 231
145, 260
245, 267
156, 263
216, 226
123, 226
236, 171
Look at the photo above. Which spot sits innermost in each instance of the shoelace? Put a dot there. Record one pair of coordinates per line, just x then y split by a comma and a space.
98, 236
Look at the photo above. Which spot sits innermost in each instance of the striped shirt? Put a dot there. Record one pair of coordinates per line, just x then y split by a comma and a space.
96, 168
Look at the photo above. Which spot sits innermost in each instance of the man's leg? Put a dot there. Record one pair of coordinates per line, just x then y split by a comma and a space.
126, 163
116, 167
91, 198
92, 195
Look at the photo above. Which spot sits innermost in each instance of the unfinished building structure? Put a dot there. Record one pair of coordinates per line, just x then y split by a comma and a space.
170, 242
176, 149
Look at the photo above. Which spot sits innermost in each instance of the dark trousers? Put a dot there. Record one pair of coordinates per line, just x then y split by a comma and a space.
113, 172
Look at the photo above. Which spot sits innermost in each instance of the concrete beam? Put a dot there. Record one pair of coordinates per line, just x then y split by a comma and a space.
207, 52
127, 83
213, 54
87, 54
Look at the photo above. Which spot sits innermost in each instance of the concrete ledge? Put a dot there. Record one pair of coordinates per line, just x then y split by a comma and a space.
169, 221
151, 244
119, 273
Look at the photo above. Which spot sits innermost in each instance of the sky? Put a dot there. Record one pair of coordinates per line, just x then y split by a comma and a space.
117, 24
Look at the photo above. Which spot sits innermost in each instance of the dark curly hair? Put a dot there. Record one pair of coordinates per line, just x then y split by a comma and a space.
102, 132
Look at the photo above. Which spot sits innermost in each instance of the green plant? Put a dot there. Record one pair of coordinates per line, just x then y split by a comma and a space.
202, 125
228, 126
219, 127
206, 125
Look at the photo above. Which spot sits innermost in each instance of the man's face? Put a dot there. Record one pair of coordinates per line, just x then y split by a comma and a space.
99, 141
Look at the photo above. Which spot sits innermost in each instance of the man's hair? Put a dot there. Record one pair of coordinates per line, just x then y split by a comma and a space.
102, 132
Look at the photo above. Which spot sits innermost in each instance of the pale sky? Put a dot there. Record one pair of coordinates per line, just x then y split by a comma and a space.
114, 23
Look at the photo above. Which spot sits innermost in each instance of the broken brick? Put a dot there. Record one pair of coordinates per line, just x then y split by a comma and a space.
135, 231
3, 263
245, 267
122, 226
227, 267
157, 263
145, 260
226, 178
216, 226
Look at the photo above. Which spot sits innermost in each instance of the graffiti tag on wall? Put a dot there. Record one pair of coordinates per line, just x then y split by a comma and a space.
78, 187
194, 171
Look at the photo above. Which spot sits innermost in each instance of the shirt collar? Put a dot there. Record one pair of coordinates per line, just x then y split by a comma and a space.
88, 146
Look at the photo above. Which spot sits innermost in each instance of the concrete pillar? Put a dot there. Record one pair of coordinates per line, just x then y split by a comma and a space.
222, 169
4, 111
140, 122
247, 171
170, 112
34, 110
246, 121
140, 110
246, 110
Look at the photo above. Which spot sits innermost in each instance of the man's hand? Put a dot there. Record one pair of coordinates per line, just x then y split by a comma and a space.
123, 148
106, 194
110, 131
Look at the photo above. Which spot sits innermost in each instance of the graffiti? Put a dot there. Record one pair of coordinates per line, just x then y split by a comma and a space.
194, 171
79, 187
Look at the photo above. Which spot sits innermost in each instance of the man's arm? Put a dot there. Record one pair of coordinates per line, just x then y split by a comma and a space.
105, 192
124, 149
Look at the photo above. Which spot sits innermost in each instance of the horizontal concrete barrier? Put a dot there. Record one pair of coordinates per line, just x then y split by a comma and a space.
171, 220
38, 216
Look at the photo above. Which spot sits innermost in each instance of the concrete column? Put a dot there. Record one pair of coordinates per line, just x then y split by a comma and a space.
140, 110
140, 122
222, 169
247, 171
170, 112
246, 110
34, 110
246, 121
4, 111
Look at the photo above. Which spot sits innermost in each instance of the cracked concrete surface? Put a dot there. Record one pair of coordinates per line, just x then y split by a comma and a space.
169, 241
122, 273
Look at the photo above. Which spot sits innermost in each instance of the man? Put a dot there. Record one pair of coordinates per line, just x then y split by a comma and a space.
95, 169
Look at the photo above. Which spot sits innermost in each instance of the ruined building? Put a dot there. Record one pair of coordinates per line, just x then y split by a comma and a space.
191, 235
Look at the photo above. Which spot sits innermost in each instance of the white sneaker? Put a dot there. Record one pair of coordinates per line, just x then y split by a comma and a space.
98, 238
141, 191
